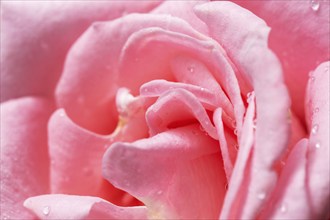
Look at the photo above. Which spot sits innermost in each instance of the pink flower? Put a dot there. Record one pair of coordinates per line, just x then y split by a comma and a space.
165, 110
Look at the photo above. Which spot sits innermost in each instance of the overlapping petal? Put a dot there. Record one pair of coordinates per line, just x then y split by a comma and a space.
177, 158
24, 156
260, 67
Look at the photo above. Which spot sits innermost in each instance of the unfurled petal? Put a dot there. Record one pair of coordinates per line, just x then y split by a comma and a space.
24, 155
58, 206
182, 177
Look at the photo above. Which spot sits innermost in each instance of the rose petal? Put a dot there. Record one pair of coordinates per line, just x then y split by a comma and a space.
290, 198
87, 91
24, 157
37, 35
253, 58
57, 206
318, 157
76, 156
186, 107
176, 158
299, 37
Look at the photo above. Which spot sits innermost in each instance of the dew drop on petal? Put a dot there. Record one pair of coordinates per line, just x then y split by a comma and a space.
248, 97
236, 146
317, 145
46, 210
316, 110
283, 208
191, 69
235, 132
315, 5
315, 128
261, 196
202, 89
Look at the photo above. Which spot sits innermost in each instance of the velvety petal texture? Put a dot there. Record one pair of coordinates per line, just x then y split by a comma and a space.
24, 156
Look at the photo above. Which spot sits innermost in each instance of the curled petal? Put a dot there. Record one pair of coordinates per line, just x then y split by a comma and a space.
177, 158
59, 206
24, 156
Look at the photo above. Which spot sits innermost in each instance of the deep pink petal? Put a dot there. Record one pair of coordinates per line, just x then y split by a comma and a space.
36, 36
318, 159
185, 107
290, 198
177, 158
257, 64
300, 38
24, 156
58, 206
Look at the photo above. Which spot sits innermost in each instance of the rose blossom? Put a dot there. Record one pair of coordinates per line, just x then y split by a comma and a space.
165, 110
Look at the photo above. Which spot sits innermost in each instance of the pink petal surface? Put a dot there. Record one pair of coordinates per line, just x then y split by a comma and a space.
176, 159
37, 35
318, 157
253, 59
88, 97
186, 107
299, 33
24, 157
290, 199
58, 206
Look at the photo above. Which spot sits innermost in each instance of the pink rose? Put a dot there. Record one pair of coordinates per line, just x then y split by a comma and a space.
165, 110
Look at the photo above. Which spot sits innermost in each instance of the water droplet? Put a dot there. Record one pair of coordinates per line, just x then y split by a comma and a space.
261, 196
191, 69
315, 128
315, 5
248, 97
235, 132
159, 192
316, 110
202, 89
46, 210
254, 126
326, 69
236, 146
317, 145
226, 186
283, 208
311, 76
